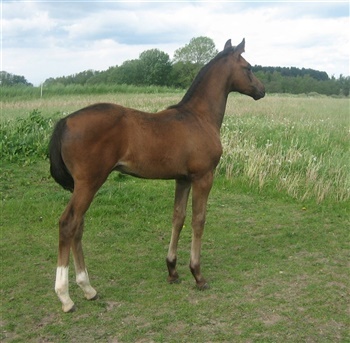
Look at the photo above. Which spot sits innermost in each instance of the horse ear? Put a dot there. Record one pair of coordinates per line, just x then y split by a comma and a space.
239, 49
228, 44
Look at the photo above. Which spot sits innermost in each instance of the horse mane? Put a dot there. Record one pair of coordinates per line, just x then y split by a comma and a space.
198, 79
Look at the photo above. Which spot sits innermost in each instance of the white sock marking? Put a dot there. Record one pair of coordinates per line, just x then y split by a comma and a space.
83, 281
61, 288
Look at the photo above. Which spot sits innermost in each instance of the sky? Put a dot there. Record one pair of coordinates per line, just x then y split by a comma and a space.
43, 39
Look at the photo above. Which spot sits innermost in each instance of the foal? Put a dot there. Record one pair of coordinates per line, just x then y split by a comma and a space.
181, 143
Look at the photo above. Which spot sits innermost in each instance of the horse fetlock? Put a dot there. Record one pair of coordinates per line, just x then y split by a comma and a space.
196, 272
63, 295
173, 276
67, 302
171, 264
83, 281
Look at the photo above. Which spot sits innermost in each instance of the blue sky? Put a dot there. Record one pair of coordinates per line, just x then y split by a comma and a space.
42, 39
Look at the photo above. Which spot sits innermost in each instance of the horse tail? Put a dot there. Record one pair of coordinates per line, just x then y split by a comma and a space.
58, 168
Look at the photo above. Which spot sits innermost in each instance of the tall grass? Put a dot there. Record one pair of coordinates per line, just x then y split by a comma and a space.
24, 92
11, 109
296, 145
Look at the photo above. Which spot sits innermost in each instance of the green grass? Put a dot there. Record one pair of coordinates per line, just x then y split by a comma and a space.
275, 247
278, 269
298, 146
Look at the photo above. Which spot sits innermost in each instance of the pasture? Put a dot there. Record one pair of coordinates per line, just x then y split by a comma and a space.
275, 247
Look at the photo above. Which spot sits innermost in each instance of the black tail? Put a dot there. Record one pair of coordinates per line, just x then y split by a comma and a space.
58, 169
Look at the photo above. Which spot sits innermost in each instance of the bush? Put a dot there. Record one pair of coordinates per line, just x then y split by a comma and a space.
25, 139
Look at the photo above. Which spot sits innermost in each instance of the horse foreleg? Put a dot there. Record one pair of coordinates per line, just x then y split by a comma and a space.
200, 192
181, 196
82, 277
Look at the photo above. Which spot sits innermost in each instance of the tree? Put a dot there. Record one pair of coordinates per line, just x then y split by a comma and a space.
7, 79
344, 83
189, 59
155, 67
129, 73
199, 51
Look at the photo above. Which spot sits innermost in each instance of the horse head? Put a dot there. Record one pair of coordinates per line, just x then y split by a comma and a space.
242, 78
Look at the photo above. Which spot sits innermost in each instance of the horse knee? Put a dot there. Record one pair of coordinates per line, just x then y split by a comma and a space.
198, 220
198, 228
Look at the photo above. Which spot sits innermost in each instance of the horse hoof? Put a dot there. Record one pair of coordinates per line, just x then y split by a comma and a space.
203, 286
174, 281
95, 297
71, 310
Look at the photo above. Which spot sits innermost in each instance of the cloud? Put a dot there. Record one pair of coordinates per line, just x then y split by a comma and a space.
50, 39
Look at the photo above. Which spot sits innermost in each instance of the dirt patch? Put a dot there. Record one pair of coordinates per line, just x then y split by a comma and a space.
111, 305
270, 318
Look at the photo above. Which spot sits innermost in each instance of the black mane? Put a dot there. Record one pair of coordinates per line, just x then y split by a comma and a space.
198, 79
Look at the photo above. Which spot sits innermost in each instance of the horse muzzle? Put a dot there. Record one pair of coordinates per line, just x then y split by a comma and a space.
259, 93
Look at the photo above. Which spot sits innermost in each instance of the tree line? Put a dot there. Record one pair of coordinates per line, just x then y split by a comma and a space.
155, 68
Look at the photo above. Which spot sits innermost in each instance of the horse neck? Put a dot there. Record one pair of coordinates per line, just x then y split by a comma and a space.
207, 96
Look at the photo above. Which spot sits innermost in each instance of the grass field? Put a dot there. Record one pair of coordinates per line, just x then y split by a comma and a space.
293, 145
275, 248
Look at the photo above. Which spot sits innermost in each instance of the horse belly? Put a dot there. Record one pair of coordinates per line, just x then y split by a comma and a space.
152, 167
164, 160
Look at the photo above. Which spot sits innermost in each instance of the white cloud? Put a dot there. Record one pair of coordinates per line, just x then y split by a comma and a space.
50, 39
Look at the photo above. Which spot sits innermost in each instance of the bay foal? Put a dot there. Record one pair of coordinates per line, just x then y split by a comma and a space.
181, 143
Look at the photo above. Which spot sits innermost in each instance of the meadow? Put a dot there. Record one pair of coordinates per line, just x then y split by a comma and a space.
275, 248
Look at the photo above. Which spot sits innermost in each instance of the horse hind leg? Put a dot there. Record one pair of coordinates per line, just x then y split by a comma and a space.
70, 234
66, 233
181, 197
82, 276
